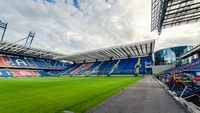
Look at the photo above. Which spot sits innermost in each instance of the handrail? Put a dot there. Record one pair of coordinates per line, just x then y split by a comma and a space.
192, 96
184, 88
191, 77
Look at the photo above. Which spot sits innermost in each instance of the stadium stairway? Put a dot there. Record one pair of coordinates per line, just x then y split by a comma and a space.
103, 67
77, 69
71, 69
31, 63
106, 67
120, 67
52, 64
82, 71
109, 67
138, 66
67, 70
89, 70
95, 70
47, 64
114, 67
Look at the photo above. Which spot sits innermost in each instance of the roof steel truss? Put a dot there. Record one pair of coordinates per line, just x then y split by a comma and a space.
117, 52
13, 49
169, 13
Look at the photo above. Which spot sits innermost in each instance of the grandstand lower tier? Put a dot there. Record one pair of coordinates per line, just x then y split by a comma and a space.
130, 66
23, 73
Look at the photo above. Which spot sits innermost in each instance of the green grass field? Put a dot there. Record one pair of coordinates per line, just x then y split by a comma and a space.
56, 94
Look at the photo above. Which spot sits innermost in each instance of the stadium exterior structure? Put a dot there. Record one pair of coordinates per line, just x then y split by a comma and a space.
168, 58
171, 55
21, 61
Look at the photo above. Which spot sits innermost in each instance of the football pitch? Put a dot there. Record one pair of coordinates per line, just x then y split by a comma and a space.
56, 94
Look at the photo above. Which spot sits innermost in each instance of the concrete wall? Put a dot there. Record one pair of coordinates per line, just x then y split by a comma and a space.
160, 68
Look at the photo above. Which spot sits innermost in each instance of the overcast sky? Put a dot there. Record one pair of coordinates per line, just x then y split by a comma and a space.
64, 27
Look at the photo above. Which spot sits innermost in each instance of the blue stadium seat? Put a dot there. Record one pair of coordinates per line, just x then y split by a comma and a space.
4, 73
103, 66
19, 62
93, 66
109, 67
43, 73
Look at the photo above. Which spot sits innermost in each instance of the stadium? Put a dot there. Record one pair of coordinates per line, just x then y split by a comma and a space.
124, 78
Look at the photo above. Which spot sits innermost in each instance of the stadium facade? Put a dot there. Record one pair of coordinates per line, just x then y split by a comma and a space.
170, 56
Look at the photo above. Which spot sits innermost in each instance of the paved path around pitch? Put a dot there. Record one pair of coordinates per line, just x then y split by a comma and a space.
145, 96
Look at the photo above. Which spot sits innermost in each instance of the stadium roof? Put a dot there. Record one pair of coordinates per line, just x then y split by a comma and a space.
191, 52
19, 50
169, 13
138, 49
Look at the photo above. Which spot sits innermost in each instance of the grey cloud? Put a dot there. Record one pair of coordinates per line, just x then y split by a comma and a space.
63, 28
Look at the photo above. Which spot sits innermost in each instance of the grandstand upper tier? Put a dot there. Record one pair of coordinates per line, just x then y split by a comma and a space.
139, 49
169, 13
19, 50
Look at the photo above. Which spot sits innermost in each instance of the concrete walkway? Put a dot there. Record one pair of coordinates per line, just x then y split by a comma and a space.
146, 96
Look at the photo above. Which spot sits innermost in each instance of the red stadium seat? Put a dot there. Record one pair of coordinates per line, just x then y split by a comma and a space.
6, 60
197, 78
77, 69
24, 73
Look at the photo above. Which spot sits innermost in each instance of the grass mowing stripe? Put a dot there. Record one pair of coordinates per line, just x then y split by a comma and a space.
55, 94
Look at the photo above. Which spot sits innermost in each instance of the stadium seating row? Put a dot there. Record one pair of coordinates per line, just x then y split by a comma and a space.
187, 68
